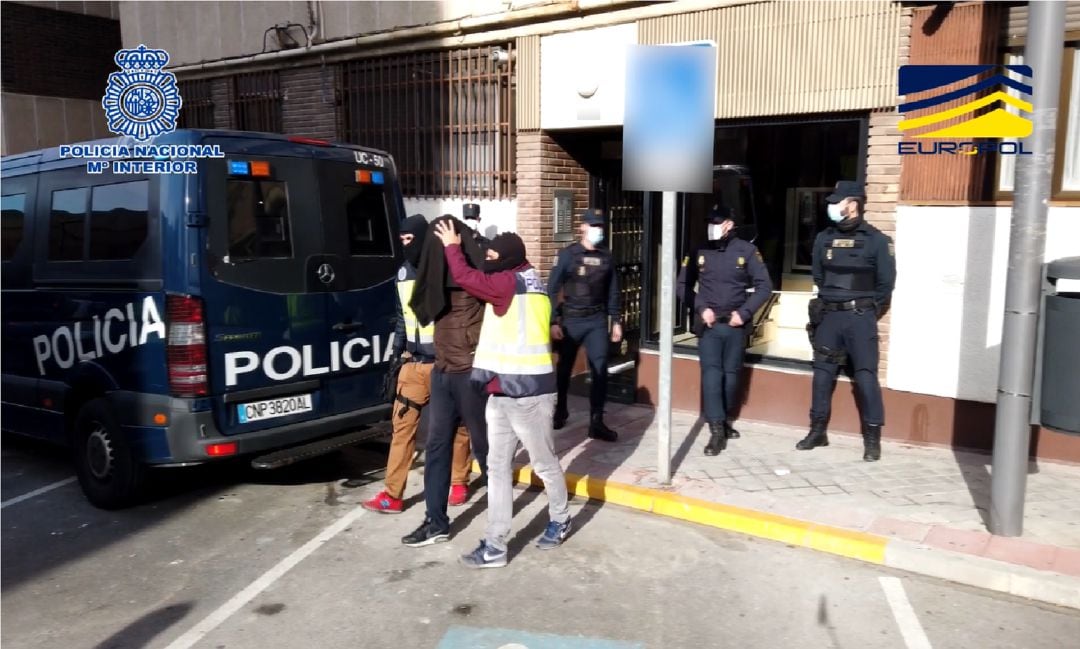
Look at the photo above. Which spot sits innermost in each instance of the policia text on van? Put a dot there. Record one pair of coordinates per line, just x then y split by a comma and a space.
176, 319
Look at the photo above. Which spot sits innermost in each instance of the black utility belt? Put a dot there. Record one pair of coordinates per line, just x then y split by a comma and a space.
572, 312
851, 305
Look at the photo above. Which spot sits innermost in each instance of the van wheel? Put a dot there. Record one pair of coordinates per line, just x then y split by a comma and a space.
109, 473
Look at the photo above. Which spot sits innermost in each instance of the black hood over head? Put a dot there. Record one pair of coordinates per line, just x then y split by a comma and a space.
511, 251
417, 226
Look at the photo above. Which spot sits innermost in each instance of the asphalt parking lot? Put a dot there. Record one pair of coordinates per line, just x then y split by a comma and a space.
226, 557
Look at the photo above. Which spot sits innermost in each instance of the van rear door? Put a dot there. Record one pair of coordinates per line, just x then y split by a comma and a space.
265, 307
360, 212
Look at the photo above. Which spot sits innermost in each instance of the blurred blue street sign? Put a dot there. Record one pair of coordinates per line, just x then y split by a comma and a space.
668, 124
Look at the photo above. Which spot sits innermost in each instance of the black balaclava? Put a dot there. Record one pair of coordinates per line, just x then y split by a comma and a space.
417, 226
511, 251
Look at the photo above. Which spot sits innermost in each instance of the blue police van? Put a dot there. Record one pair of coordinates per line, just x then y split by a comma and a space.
176, 319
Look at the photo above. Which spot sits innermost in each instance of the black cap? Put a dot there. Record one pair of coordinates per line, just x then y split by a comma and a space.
470, 211
846, 189
720, 213
594, 216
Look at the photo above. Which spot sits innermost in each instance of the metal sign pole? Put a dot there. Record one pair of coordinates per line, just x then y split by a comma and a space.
668, 125
1027, 243
667, 327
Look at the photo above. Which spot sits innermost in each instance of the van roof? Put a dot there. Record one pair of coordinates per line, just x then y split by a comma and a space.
180, 136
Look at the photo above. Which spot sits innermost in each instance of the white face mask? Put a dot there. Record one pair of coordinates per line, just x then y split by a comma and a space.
716, 231
834, 212
473, 224
595, 235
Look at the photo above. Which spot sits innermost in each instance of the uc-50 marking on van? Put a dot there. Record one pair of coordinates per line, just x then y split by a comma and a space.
166, 320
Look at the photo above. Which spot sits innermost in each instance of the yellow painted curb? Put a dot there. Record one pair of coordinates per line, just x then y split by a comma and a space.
835, 540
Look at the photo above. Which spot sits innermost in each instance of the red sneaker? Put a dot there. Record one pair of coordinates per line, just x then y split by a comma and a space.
459, 495
384, 504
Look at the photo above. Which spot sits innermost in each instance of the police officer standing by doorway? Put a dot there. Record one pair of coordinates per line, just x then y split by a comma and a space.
470, 214
715, 280
855, 272
586, 274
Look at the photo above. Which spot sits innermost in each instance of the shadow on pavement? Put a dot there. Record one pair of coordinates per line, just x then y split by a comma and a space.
142, 631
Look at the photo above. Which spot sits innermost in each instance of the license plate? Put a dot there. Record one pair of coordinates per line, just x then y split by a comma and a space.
273, 408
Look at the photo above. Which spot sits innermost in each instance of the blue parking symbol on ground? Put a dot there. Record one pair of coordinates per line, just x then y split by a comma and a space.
460, 637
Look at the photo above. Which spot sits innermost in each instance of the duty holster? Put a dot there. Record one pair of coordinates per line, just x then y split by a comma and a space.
389, 387
816, 311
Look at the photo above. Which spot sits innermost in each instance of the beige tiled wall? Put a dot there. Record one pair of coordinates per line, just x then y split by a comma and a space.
32, 122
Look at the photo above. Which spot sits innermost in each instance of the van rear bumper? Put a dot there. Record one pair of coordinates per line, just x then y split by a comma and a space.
189, 433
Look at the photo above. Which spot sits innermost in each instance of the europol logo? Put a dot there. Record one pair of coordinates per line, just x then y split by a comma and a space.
985, 116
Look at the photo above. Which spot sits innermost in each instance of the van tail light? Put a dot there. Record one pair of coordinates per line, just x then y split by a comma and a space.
186, 347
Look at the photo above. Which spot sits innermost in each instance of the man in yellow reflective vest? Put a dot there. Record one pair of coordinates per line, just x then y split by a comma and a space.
513, 360
416, 345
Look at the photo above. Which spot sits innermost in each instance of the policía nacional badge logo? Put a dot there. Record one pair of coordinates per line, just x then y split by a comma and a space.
142, 100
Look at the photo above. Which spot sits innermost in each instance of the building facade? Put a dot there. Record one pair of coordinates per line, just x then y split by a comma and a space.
56, 60
518, 106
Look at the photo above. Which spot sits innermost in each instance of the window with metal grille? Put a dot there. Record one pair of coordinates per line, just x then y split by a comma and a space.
447, 117
255, 102
198, 108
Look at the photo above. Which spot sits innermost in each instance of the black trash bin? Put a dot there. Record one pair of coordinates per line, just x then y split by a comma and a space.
1059, 407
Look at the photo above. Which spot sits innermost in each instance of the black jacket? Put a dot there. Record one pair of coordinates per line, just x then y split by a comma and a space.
430, 296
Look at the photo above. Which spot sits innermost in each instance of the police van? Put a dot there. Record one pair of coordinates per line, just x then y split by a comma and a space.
181, 318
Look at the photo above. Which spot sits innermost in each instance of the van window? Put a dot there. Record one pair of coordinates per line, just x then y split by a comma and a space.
66, 224
258, 219
13, 208
368, 222
118, 219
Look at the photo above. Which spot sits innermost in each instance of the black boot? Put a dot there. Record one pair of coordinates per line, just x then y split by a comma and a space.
871, 443
717, 439
816, 437
597, 429
561, 415
731, 432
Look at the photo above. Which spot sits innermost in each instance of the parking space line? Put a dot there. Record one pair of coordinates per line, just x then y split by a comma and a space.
910, 627
37, 492
212, 621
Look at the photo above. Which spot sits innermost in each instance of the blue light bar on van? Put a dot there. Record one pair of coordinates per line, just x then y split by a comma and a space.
376, 177
238, 168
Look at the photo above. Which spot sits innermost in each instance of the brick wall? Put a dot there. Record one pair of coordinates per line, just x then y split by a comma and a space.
883, 167
56, 53
543, 166
308, 104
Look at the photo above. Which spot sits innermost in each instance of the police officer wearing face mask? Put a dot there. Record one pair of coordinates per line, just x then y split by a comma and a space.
855, 272
715, 280
470, 214
586, 274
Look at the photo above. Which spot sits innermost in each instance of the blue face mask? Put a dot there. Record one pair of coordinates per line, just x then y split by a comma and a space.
595, 235
833, 210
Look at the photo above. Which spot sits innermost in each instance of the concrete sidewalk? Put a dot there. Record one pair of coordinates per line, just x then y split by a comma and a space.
919, 509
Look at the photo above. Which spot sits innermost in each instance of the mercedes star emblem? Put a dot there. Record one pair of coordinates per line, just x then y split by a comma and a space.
326, 273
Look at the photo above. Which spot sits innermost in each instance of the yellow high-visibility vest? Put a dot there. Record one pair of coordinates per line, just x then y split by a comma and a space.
419, 340
516, 346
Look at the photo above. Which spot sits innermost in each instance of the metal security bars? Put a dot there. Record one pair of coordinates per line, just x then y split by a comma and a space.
255, 102
447, 117
198, 108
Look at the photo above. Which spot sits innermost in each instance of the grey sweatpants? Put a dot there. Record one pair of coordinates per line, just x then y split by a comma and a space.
528, 419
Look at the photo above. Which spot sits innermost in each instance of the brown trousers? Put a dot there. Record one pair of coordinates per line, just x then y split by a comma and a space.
414, 383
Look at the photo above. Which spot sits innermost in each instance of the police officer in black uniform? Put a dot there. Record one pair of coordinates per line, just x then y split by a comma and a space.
470, 214
586, 274
715, 280
855, 272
